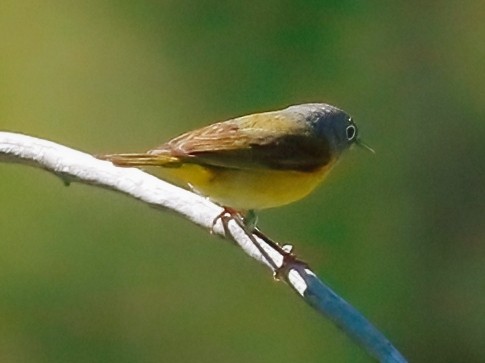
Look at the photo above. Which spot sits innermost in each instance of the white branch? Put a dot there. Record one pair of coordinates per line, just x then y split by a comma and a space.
73, 165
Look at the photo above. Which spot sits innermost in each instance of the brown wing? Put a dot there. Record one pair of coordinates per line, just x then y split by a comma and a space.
268, 140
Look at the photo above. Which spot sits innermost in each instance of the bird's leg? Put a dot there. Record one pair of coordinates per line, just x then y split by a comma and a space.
284, 250
251, 219
229, 214
289, 258
225, 216
248, 224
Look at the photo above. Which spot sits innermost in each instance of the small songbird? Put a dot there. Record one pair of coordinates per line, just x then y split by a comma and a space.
254, 162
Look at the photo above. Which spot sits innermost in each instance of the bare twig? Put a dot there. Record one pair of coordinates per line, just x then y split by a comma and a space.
72, 165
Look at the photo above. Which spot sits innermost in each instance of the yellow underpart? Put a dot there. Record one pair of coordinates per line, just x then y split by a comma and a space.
244, 189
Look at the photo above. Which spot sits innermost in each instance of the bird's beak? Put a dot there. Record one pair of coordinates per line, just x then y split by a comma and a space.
362, 144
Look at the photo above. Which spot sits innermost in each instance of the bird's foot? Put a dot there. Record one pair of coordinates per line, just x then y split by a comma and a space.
290, 261
225, 217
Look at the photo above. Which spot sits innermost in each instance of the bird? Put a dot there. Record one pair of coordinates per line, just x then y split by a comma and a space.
253, 162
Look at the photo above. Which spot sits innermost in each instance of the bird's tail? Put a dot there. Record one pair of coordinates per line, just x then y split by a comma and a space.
134, 160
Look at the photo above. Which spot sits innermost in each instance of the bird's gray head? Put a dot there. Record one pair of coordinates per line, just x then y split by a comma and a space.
329, 123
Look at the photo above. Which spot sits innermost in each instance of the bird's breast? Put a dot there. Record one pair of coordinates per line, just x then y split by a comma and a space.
244, 189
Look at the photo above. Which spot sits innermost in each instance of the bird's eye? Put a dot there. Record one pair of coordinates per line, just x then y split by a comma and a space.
351, 131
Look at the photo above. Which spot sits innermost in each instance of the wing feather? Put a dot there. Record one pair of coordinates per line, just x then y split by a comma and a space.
267, 140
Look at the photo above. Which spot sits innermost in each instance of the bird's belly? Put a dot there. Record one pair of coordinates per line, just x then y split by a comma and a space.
250, 189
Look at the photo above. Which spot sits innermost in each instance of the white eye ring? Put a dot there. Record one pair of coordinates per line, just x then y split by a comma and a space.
351, 131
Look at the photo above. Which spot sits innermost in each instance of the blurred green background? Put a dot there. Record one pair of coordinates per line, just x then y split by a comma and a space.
88, 275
